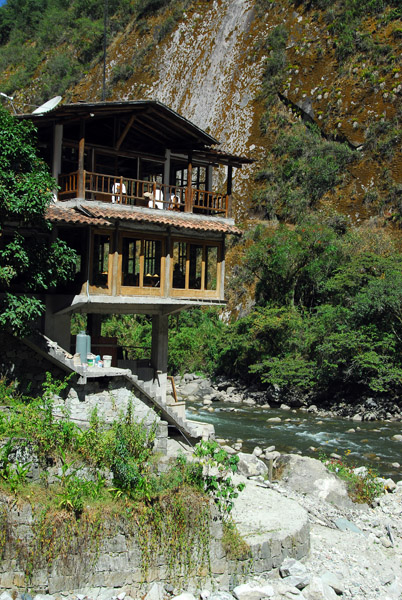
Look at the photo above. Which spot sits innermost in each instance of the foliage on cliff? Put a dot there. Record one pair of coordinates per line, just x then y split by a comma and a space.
29, 261
335, 65
48, 46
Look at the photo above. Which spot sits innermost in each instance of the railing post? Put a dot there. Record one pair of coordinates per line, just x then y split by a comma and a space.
81, 184
154, 194
228, 202
121, 190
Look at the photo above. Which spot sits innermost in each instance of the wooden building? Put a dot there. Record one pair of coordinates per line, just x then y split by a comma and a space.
135, 199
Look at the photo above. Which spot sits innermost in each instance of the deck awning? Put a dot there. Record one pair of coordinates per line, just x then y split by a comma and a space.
99, 215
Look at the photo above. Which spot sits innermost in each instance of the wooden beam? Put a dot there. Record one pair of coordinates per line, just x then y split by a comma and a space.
156, 129
125, 132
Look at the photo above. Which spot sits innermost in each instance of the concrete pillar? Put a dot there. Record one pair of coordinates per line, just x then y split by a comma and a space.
159, 353
222, 277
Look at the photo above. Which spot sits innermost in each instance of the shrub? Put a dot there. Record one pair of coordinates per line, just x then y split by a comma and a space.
362, 488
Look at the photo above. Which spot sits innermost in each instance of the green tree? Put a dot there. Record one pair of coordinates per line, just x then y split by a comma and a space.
30, 262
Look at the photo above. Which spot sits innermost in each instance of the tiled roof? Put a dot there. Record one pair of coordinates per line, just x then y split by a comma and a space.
90, 213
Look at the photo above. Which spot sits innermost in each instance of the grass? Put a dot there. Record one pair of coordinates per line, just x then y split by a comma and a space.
362, 488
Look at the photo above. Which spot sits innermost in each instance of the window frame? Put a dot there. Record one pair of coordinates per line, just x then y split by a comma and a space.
188, 292
141, 289
93, 288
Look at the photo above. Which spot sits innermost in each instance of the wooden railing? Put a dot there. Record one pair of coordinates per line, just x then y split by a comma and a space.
136, 192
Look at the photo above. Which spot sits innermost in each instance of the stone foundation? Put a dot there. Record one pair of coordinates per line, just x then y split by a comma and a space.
117, 564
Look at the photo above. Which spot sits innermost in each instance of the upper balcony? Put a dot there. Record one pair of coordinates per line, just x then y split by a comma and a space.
136, 192
138, 153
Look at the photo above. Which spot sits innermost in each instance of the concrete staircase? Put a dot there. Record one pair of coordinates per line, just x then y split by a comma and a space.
172, 413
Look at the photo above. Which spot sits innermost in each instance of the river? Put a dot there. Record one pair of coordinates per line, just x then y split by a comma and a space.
298, 431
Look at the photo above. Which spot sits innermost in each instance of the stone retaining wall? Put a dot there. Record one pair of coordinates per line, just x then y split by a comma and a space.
118, 561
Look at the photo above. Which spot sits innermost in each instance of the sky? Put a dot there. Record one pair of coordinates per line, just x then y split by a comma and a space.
2, 2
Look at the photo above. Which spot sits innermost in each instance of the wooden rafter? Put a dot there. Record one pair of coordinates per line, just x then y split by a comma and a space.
125, 132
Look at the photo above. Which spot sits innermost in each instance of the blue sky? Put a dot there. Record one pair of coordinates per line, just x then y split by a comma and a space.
2, 2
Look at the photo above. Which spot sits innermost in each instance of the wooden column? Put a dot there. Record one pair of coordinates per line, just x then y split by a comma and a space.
209, 181
166, 178
229, 191
81, 172
57, 146
189, 190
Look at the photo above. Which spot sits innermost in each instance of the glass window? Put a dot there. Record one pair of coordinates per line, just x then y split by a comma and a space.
131, 262
152, 263
100, 266
179, 264
211, 267
195, 267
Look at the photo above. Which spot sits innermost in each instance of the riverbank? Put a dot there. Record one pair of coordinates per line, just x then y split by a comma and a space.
194, 387
308, 432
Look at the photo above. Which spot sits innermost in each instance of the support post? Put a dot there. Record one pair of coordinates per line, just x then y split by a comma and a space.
81, 173
209, 181
166, 179
189, 190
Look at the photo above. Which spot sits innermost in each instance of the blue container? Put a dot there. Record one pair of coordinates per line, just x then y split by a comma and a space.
83, 345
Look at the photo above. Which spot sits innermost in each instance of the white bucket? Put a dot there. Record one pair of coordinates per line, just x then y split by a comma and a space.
107, 361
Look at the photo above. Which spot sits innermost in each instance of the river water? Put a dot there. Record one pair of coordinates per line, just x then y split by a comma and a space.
298, 431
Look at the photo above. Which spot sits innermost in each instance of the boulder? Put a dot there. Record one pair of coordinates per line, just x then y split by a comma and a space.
190, 389
274, 420
156, 592
309, 476
345, 525
397, 438
294, 573
291, 566
333, 581
229, 449
221, 596
257, 451
249, 402
184, 596
249, 465
253, 590
274, 455
319, 590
